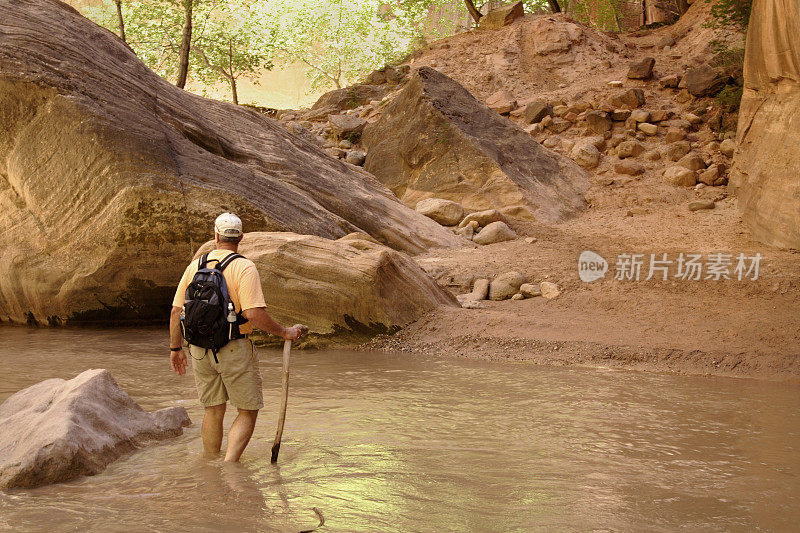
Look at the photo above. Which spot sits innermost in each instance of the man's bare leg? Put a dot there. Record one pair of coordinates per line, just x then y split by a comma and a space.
212, 428
240, 433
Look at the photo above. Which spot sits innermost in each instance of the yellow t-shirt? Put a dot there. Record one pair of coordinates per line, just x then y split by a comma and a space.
244, 284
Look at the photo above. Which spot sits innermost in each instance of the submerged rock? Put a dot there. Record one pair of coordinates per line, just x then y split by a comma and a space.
58, 429
352, 285
110, 177
436, 140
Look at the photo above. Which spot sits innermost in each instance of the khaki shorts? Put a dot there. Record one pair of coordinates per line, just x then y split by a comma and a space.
236, 377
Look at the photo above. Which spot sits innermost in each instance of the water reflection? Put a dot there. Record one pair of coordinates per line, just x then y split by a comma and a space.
393, 443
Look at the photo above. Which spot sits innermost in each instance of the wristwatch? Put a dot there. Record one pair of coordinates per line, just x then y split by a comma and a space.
178, 349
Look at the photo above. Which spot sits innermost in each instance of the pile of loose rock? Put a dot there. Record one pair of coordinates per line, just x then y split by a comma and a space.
507, 286
482, 227
621, 127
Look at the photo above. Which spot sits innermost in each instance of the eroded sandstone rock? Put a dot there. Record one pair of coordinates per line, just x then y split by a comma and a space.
110, 177
348, 286
58, 429
436, 140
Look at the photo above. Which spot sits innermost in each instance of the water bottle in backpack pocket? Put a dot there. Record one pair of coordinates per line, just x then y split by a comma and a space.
209, 319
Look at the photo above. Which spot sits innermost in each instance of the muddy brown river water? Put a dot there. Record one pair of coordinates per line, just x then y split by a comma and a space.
384, 442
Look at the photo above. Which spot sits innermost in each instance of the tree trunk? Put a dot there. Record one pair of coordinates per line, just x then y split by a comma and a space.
186, 41
554, 7
232, 78
119, 19
473, 11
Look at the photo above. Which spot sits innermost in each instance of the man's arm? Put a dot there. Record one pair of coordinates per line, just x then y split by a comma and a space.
177, 359
259, 317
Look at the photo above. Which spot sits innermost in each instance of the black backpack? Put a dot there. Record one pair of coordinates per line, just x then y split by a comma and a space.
209, 319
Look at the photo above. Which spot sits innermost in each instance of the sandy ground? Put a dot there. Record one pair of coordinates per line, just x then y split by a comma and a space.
725, 327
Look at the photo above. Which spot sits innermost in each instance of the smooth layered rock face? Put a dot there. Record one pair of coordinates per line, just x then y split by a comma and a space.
436, 140
348, 286
60, 429
110, 177
766, 174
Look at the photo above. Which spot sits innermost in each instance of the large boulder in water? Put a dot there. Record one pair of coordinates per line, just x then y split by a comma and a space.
766, 173
352, 285
60, 429
436, 140
110, 177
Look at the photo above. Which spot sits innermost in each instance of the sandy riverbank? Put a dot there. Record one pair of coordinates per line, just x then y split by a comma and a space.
745, 328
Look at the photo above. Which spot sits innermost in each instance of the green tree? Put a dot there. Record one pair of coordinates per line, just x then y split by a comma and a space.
223, 43
340, 40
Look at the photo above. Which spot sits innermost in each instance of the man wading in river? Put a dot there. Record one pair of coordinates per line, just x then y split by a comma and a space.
216, 314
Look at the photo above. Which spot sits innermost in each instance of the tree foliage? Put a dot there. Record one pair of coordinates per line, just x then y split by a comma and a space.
227, 40
342, 40
733, 14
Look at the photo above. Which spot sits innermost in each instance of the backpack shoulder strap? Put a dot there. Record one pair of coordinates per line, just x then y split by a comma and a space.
202, 262
227, 261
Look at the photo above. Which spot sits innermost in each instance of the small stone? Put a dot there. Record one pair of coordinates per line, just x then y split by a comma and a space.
692, 162
704, 81
505, 285
630, 167
680, 176
640, 115
480, 289
501, 101
495, 232
617, 139
615, 83
549, 290
482, 218
709, 176
727, 147
648, 129
535, 111
356, 157
630, 99
697, 205
659, 115
669, 82
598, 121
691, 118
468, 232
652, 155
586, 155
674, 135
559, 125
338, 153
518, 296
676, 150
560, 110
345, 144
530, 240
530, 290
345, 125
620, 115
629, 149
641, 70
445, 212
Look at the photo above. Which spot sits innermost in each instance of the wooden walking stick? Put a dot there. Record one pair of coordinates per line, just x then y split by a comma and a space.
287, 350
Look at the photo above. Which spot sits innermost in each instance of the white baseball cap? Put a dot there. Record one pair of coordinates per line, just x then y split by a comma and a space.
228, 225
